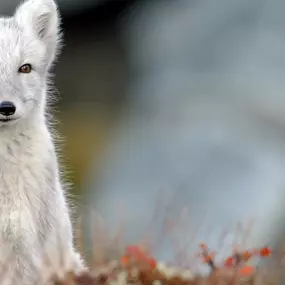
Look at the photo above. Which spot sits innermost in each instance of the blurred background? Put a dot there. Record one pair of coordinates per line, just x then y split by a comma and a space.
175, 107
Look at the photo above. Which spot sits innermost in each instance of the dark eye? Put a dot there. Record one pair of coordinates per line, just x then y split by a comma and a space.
26, 68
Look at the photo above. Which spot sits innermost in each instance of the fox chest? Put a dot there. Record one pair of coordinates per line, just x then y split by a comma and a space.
20, 201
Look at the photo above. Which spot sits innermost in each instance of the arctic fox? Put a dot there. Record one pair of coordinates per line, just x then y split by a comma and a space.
34, 218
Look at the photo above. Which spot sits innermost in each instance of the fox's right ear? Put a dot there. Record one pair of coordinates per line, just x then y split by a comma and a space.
42, 18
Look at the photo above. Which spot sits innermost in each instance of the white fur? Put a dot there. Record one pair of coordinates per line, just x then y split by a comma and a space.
35, 225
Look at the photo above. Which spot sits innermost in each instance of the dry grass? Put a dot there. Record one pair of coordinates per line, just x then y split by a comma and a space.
135, 265
143, 272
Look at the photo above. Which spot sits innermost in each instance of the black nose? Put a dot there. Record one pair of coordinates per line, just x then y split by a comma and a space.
7, 108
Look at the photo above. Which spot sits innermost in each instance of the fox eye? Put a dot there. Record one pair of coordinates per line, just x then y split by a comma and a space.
25, 68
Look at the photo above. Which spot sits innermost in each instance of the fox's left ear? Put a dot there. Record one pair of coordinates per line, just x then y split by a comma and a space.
42, 18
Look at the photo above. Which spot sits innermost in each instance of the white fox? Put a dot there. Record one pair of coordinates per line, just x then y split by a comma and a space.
34, 216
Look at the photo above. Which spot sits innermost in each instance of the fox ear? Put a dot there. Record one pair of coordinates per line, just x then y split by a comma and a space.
42, 18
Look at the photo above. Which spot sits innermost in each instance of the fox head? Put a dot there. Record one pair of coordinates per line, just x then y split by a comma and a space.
29, 43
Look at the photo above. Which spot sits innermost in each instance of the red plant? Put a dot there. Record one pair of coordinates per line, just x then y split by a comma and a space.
135, 254
237, 260
207, 256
